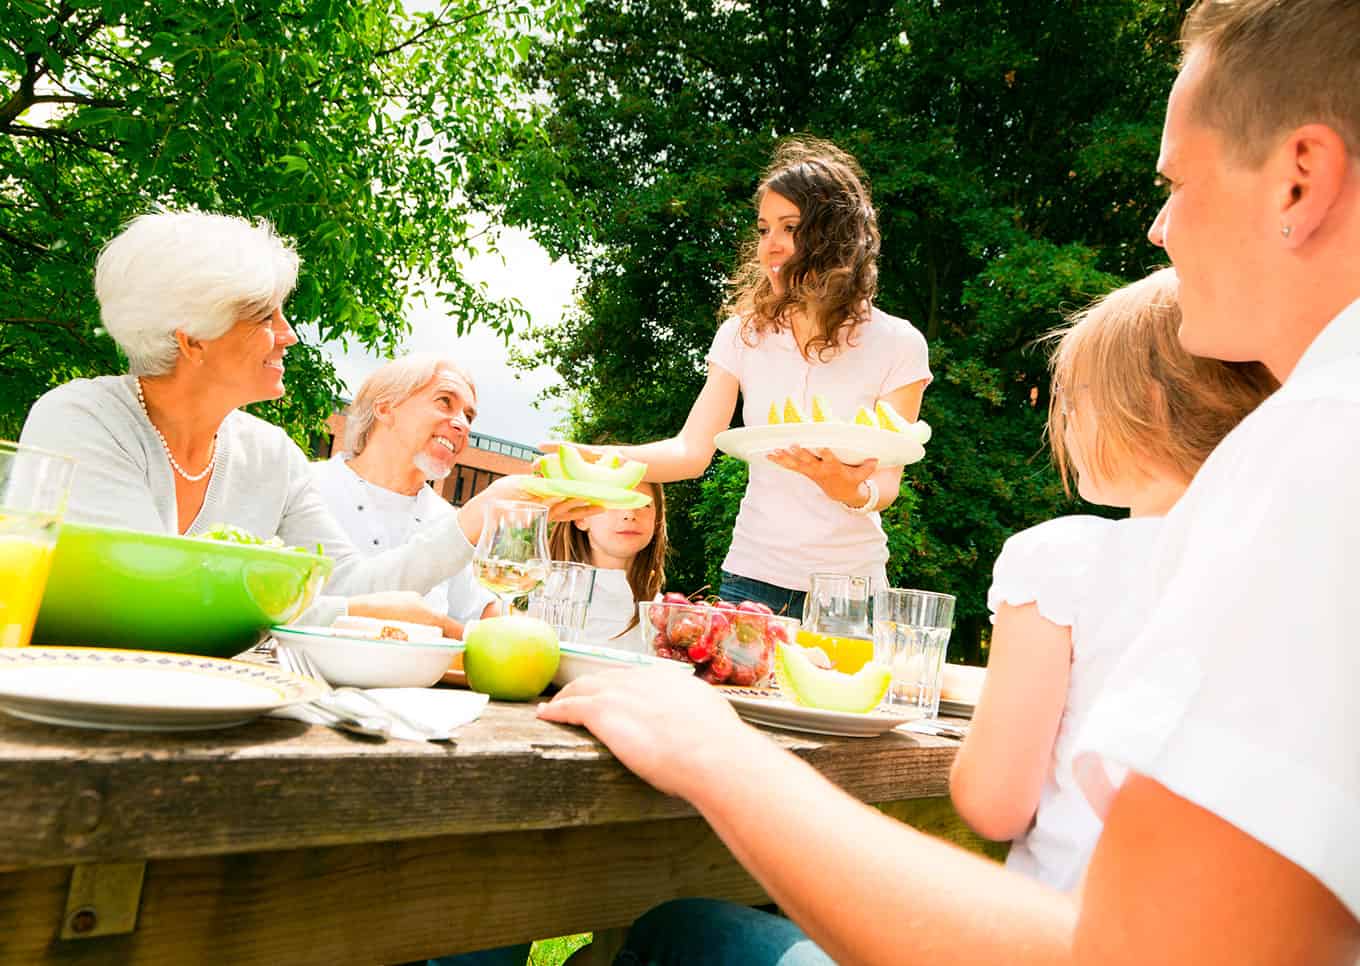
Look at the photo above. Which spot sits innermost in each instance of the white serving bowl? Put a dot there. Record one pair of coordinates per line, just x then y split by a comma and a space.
362, 662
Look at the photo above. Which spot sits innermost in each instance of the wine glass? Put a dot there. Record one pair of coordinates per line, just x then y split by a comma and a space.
511, 558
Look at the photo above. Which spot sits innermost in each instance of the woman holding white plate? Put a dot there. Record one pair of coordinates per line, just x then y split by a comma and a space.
802, 324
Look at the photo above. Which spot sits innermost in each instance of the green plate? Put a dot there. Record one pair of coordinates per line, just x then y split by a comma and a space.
156, 592
600, 494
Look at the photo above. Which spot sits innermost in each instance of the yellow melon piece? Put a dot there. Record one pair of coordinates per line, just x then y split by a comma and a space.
774, 417
865, 418
792, 414
889, 418
821, 409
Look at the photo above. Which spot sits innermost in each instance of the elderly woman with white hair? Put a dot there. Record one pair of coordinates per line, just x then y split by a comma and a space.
195, 301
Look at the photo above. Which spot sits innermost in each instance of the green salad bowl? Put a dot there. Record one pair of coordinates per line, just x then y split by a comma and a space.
152, 591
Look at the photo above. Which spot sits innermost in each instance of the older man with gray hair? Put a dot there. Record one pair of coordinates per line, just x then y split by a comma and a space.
406, 427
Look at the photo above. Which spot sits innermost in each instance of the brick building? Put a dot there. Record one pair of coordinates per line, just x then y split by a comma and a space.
484, 459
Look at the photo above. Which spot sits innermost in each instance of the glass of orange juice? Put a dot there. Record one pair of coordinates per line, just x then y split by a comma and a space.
836, 619
33, 489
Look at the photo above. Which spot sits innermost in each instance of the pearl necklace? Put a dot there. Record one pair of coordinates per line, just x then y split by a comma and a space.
174, 463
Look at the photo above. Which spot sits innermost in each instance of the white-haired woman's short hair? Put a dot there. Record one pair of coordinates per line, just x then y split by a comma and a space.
393, 384
190, 271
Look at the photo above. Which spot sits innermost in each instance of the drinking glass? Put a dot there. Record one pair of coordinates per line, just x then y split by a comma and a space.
511, 558
836, 619
911, 635
33, 489
563, 599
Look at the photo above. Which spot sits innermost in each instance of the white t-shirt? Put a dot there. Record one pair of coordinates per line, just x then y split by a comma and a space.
1088, 574
611, 608
1239, 694
787, 528
377, 519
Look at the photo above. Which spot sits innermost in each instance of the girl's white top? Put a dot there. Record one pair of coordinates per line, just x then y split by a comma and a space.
611, 608
1091, 575
787, 528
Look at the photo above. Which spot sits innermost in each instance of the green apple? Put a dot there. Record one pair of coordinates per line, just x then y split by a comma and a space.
510, 658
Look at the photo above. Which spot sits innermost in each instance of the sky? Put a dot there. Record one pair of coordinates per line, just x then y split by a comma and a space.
505, 396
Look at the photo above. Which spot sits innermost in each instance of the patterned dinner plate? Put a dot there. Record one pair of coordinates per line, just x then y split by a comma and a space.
121, 690
849, 443
768, 707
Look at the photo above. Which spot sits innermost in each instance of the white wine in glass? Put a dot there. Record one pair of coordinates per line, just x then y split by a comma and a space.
511, 558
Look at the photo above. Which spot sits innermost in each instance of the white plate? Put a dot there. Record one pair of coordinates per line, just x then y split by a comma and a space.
849, 442
769, 707
118, 690
366, 662
579, 659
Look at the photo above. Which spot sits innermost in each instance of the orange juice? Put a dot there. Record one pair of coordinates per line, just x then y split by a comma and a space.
24, 564
847, 654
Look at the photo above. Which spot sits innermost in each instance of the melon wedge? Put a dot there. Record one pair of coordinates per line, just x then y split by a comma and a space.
865, 418
624, 475
792, 414
812, 687
821, 409
600, 494
774, 418
549, 465
890, 419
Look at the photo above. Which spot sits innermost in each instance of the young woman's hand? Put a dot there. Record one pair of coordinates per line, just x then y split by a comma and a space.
840, 481
675, 732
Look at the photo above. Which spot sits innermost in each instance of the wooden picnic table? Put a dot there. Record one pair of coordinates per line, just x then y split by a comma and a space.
277, 842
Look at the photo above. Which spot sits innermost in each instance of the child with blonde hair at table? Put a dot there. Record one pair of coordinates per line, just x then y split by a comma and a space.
1132, 417
628, 550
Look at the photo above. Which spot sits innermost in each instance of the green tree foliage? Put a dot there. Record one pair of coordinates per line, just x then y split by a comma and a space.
1010, 145
365, 133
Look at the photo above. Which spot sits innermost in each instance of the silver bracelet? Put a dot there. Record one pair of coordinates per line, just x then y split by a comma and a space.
870, 504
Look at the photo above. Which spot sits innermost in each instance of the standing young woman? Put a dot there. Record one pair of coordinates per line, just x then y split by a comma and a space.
801, 322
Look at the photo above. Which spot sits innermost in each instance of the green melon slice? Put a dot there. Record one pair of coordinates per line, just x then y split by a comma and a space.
549, 465
600, 494
624, 475
812, 687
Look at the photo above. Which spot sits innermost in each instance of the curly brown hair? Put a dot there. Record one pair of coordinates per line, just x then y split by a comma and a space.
832, 276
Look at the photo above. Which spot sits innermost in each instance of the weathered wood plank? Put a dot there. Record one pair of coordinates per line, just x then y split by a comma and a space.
384, 903
76, 796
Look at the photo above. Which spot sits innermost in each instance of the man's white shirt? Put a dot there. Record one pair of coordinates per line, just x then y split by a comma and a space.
377, 519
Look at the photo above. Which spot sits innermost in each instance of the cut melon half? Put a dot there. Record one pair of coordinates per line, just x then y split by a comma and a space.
813, 687
625, 475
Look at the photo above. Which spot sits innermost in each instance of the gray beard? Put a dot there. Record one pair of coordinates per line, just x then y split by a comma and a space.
426, 466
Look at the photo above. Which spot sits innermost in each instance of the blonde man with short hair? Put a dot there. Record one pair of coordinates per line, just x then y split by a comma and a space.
407, 424
1222, 750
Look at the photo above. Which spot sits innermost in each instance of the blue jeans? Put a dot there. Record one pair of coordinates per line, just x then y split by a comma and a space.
781, 600
716, 933
516, 955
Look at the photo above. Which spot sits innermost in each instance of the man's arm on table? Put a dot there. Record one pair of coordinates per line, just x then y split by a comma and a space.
1170, 883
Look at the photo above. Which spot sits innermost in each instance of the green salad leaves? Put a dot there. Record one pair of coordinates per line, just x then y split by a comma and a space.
229, 533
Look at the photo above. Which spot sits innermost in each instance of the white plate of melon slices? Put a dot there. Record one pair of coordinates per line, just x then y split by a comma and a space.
769, 707
882, 435
608, 482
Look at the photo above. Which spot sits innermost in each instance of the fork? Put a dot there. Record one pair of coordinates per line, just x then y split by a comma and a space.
307, 666
297, 663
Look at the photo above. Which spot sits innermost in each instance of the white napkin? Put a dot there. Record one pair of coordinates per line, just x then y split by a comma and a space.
441, 712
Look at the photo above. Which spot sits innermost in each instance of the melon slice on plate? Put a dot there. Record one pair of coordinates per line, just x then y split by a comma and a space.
821, 409
863, 417
611, 471
792, 414
814, 687
600, 494
774, 418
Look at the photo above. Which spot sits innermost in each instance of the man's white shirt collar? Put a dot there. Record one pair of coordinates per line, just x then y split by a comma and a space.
1339, 340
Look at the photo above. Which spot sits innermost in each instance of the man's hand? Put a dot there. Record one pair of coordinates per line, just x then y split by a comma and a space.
674, 731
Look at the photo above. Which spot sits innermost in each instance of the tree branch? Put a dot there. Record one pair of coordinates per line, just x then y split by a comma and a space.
76, 99
36, 323
52, 135
14, 239
438, 24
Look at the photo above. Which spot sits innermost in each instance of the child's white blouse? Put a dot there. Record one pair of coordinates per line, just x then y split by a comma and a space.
1089, 574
